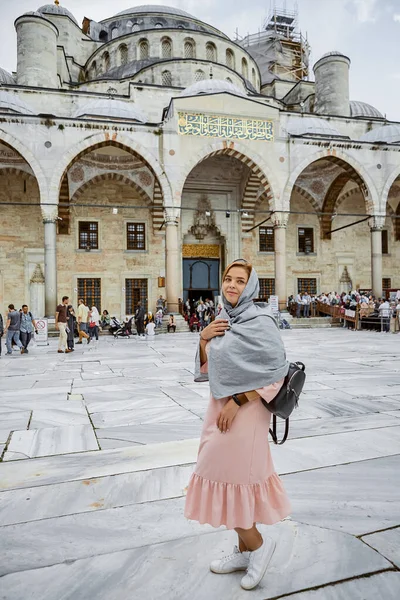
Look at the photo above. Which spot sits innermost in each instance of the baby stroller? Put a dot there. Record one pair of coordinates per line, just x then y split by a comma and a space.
125, 330
115, 324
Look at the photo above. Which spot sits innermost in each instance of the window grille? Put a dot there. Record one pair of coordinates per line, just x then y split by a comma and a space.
88, 235
267, 288
189, 50
386, 283
106, 61
136, 236
211, 52
144, 50
123, 54
166, 49
167, 78
306, 240
135, 291
267, 239
245, 68
385, 241
230, 59
199, 75
90, 291
307, 285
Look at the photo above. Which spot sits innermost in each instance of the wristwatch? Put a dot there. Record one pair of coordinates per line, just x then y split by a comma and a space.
237, 401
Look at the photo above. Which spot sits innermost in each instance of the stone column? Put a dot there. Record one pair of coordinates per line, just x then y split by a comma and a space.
376, 260
50, 266
172, 263
280, 223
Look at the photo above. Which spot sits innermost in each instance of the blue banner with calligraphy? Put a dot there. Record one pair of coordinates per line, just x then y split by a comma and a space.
220, 126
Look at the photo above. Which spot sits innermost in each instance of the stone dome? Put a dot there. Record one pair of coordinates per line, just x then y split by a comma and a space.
56, 9
362, 109
109, 107
155, 8
387, 134
10, 102
6, 78
311, 126
333, 53
212, 86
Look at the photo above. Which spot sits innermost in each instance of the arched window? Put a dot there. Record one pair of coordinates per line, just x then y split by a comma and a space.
158, 25
106, 61
93, 70
199, 75
166, 48
103, 36
230, 59
190, 49
143, 49
245, 68
123, 54
211, 52
166, 78
253, 77
114, 33
135, 27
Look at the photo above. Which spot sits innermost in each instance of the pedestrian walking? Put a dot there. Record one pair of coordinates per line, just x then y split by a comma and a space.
234, 482
82, 316
27, 327
94, 323
61, 325
12, 329
1, 329
71, 320
139, 319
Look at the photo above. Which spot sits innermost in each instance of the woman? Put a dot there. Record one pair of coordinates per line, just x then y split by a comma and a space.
150, 328
171, 324
94, 322
71, 320
105, 319
235, 483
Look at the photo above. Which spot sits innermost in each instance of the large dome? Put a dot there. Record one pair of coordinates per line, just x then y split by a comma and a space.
362, 109
311, 126
212, 86
155, 8
110, 108
6, 78
54, 9
10, 102
388, 134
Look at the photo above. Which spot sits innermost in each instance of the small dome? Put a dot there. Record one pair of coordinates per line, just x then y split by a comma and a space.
311, 126
108, 107
155, 8
212, 86
333, 53
388, 134
10, 102
56, 9
6, 78
362, 109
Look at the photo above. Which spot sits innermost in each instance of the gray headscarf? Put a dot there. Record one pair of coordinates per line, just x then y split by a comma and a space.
251, 354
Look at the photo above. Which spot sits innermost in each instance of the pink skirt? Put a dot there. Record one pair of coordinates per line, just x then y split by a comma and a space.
234, 482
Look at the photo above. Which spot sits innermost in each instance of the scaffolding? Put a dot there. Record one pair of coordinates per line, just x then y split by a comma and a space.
280, 49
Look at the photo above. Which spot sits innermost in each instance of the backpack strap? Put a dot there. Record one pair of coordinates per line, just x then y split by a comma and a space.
274, 431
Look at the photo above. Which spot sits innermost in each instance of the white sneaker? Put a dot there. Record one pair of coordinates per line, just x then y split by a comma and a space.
258, 564
238, 561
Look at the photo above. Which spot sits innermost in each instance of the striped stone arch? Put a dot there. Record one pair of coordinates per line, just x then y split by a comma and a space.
313, 201
261, 181
16, 171
347, 195
111, 176
388, 185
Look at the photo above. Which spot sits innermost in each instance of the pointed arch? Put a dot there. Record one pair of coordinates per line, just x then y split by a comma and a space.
16, 145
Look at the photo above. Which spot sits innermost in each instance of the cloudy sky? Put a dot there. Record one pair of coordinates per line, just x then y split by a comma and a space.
368, 31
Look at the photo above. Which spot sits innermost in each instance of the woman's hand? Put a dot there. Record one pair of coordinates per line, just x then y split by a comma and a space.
215, 329
226, 416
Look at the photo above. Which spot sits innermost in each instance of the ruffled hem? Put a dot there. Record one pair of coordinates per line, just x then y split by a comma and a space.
236, 505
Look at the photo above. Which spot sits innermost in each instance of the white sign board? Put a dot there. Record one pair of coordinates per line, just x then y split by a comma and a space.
274, 304
42, 329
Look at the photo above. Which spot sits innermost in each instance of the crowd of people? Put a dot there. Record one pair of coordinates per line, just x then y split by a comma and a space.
18, 326
199, 313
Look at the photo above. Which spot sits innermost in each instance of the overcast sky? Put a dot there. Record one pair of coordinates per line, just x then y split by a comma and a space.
368, 31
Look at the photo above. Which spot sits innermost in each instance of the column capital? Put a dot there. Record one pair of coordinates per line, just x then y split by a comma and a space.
376, 222
280, 220
171, 220
49, 220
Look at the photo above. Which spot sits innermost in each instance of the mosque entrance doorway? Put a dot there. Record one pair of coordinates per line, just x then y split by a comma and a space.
200, 278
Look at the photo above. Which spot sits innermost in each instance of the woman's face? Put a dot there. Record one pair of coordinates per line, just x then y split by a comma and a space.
234, 283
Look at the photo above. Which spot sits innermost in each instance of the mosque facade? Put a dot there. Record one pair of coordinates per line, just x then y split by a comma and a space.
141, 154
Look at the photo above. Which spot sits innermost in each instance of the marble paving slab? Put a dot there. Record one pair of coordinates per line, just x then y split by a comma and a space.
357, 498
74, 413
311, 427
306, 556
89, 495
154, 433
144, 416
49, 441
142, 401
383, 586
386, 543
11, 421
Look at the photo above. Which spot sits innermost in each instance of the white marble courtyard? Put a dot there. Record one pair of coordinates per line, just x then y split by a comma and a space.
98, 446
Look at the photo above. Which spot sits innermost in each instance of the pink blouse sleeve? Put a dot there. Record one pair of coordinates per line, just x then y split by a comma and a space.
269, 392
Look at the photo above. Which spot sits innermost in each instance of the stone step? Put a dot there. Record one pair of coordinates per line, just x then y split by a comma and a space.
311, 323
